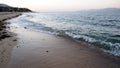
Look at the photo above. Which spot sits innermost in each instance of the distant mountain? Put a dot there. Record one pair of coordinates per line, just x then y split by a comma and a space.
4, 5
6, 8
109, 9
102, 10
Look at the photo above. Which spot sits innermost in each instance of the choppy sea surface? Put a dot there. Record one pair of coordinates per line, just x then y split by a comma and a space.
101, 29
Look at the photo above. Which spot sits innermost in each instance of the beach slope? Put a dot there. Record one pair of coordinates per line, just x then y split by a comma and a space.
30, 49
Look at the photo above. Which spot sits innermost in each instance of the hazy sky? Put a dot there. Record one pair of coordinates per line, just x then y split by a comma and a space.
59, 5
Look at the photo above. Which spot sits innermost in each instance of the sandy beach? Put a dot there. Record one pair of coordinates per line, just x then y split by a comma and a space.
6, 38
29, 49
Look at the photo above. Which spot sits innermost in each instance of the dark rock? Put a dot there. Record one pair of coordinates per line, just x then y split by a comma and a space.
4, 32
4, 36
47, 51
15, 40
25, 27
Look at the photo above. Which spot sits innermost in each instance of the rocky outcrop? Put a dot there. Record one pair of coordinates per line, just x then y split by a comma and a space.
6, 8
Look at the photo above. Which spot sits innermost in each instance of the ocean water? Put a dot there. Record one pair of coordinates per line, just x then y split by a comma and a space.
102, 29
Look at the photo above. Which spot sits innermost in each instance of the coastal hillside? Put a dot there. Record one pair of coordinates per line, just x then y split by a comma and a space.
7, 8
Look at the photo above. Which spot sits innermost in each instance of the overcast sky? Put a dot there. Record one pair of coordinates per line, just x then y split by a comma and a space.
62, 5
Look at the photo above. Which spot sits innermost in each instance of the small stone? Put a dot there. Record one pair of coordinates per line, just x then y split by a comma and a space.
47, 51
15, 40
25, 27
17, 46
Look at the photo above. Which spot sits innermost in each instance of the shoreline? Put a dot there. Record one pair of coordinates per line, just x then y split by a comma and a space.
3, 25
94, 48
43, 50
36, 49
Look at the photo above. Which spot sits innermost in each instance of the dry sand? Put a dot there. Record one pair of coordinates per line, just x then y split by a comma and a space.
42, 50
8, 15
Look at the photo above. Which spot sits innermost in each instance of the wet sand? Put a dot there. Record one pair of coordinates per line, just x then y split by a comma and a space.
42, 50
31, 49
